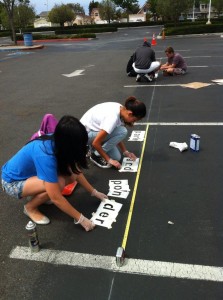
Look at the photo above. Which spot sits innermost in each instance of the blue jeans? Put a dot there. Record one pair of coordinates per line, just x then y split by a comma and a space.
110, 142
14, 188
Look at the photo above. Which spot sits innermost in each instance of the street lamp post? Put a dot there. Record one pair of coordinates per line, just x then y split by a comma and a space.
209, 14
193, 11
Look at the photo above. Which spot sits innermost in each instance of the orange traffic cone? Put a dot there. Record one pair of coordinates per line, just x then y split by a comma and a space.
68, 189
153, 40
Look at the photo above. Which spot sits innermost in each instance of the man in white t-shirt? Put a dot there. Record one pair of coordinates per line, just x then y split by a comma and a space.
106, 127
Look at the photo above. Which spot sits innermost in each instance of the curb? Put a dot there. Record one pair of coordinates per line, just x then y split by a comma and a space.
34, 47
21, 48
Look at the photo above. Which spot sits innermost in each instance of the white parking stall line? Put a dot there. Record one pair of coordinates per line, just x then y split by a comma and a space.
152, 85
192, 85
197, 66
132, 266
180, 123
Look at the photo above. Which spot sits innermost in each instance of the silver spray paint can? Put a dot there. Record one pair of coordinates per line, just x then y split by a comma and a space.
195, 142
33, 237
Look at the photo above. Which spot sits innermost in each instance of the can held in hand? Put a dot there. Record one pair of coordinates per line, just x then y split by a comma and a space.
33, 237
195, 142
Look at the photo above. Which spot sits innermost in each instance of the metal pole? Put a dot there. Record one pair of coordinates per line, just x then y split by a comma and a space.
193, 11
209, 14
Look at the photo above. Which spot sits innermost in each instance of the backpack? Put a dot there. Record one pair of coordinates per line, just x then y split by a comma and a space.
129, 69
48, 125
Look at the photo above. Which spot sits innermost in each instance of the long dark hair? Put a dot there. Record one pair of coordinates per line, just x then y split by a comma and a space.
137, 107
70, 139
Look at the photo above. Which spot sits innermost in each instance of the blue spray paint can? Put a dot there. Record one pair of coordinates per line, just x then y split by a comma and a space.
195, 142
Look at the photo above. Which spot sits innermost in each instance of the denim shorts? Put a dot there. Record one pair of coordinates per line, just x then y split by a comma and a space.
14, 188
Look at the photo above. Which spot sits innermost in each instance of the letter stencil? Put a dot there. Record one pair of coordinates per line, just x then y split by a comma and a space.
106, 213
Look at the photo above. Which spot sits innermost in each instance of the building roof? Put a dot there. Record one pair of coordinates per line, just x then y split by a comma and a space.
44, 14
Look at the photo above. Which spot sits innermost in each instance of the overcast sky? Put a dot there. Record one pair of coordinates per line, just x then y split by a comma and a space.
42, 5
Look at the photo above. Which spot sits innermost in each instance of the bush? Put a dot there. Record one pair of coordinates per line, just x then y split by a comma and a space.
5, 33
86, 30
53, 37
198, 29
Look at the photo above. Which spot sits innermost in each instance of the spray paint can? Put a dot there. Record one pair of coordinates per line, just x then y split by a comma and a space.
195, 142
33, 237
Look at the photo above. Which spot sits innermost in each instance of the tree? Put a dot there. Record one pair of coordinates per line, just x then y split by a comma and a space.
92, 5
171, 10
152, 4
9, 6
77, 9
61, 14
107, 10
24, 15
218, 5
130, 6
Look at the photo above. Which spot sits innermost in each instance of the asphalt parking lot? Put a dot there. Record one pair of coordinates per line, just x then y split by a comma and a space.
170, 224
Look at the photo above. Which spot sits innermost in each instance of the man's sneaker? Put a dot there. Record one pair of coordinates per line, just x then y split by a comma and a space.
149, 78
138, 78
99, 161
88, 153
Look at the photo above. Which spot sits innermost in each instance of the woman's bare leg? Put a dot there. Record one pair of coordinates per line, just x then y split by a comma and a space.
35, 187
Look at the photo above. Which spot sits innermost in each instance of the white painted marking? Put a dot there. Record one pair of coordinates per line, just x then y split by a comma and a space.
197, 66
75, 73
188, 85
181, 123
218, 81
207, 56
189, 56
152, 85
17, 53
65, 44
132, 266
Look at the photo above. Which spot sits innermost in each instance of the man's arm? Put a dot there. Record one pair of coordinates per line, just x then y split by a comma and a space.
164, 66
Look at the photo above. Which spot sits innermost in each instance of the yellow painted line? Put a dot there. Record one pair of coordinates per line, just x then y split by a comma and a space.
125, 237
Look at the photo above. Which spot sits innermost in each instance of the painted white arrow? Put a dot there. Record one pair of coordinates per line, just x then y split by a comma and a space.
75, 73
218, 81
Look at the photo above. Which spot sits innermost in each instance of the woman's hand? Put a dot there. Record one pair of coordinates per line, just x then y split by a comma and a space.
85, 223
99, 195
130, 155
114, 163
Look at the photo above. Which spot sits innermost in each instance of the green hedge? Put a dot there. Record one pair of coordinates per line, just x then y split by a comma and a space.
183, 27
86, 30
5, 33
195, 23
74, 27
198, 29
